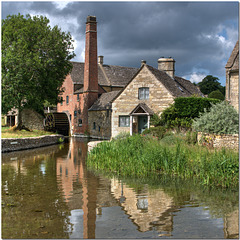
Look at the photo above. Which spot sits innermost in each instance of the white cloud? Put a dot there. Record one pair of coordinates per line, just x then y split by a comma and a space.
195, 77
61, 4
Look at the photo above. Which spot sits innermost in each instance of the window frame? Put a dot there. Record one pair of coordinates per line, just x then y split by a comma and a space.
126, 123
143, 93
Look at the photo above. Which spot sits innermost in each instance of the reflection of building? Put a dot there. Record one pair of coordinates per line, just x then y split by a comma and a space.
147, 209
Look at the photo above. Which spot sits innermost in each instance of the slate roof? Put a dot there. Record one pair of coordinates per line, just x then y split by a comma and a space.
104, 102
178, 87
233, 61
114, 75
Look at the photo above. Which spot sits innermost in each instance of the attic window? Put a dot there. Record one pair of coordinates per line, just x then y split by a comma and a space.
143, 93
180, 88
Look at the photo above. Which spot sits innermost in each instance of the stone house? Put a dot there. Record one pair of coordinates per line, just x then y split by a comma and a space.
103, 100
232, 77
129, 110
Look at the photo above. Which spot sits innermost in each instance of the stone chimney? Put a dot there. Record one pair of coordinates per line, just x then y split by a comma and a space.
90, 84
100, 60
167, 65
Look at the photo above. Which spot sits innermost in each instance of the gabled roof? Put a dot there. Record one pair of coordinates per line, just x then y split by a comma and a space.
233, 61
104, 102
178, 87
142, 108
116, 75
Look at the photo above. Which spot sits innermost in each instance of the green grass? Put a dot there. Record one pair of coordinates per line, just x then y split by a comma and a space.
8, 132
141, 156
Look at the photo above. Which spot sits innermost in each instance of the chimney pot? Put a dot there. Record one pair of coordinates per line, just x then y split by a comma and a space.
167, 65
143, 62
100, 60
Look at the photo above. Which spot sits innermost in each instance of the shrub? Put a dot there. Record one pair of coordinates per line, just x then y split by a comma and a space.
158, 132
184, 110
216, 95
221, 119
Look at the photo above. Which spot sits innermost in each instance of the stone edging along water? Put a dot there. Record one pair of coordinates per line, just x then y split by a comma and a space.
16, 144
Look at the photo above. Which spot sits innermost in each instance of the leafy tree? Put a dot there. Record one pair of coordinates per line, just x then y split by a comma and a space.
217, 95
209, 84
35, 62
221, 119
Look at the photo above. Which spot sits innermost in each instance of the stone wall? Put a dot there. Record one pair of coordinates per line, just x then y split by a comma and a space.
159, 98
16, 144
219, 141
232, 88
102, 121
32, 119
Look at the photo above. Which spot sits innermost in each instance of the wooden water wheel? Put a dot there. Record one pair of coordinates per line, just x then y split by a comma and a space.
50, 122
57, 122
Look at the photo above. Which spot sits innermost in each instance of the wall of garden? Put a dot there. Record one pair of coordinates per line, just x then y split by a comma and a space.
16, 144
230, 141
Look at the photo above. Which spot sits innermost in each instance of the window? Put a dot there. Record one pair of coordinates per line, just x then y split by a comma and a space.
67, 99
75, 114
99, 128
94, 125
143, 93
61, 101
79, 122
78, 97
124, 121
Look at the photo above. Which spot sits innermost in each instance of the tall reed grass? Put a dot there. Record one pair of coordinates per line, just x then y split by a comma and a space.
141, 156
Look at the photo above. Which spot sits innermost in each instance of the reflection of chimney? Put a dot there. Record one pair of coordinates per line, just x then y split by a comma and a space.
167, 65
100, 60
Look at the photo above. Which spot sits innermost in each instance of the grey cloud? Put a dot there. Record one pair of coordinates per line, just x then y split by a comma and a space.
131, 31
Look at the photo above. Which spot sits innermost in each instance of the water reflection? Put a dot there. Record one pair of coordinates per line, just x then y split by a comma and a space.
49, 193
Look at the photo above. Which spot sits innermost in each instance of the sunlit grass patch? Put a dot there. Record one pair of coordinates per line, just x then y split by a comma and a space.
9, 132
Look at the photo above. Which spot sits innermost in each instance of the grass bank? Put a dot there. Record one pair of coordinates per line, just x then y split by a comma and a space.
7, 132
141, 156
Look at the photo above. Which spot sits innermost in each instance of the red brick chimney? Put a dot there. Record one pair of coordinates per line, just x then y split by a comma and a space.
90, 85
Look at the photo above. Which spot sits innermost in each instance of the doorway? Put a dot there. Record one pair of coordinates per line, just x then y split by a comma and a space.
142, 123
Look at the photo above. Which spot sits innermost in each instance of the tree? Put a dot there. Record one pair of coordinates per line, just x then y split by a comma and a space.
221, 119
209, 84
35, 61
217, 95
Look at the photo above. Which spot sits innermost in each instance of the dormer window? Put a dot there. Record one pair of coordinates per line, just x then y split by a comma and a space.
143, 93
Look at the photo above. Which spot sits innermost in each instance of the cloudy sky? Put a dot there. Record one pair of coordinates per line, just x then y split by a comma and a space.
200, 36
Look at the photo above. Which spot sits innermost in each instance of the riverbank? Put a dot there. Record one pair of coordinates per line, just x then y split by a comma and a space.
16, 144
145, 155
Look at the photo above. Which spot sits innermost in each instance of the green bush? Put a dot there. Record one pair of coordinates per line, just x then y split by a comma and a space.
221, 119
158, 131
182, 112
216, 95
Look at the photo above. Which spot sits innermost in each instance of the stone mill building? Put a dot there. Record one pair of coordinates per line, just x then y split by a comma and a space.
103, 100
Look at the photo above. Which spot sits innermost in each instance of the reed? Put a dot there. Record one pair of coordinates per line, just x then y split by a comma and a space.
142, 156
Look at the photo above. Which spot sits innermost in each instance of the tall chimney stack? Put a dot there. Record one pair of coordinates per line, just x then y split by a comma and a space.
90, 85
167, 65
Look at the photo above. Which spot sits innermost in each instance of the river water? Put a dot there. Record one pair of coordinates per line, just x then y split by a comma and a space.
50, 193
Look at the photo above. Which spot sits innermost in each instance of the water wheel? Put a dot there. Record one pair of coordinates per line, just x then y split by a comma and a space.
57, 122
50, 122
